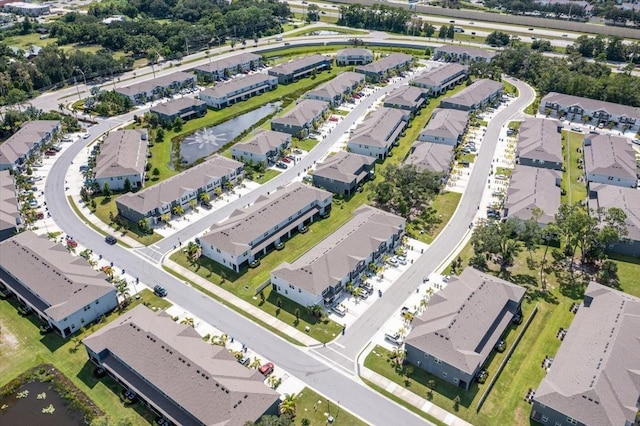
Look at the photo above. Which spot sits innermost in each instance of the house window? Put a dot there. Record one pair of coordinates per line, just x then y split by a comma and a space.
437, 361
455, 380
572, 421
444, 374
97, 302
545, 419
218, 250
291, 286
558, 424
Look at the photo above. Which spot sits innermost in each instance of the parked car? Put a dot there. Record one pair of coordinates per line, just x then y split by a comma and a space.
71, 243
110, 239
281, 165
207, 205
286, 160
84, 168
34, 204
340, 310
266, 369
245, 360
393, 261
50, 152
160, 291
86, 136
393, 337
576, 129
365, 286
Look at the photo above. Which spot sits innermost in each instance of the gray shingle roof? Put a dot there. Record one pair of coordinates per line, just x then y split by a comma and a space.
176, 186
594, 376
338, 85
302, 113
589, 105
410, 96
477, 92
440, 75
295, 65
231, 62
627, 199
263, 142
176, 106
354, 52
343, 167
446, 123
610, 156
235, 234
148, 85
223, 89
430, 156
338, 254
464, 321
539, 139
471, 51
532, 187
388, 62
9, 213
24, 139
380, 128
206, 380
64, 282
122, 153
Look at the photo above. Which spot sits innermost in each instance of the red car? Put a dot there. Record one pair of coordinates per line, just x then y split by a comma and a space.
333, 118
71, 243
266, 369
286, 160
50, 152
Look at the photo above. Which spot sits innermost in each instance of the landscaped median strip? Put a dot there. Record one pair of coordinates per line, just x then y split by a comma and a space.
276, 326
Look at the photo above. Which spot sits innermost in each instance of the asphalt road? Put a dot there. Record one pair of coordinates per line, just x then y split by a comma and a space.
345, 349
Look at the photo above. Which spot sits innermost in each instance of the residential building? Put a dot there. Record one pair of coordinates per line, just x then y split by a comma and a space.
264, 147
334, 91
407, 98
27, 140
463, 54
530, 189
63, 290
611, 160
593, 378
454, 337
445, 77
436, 157
319, 276
446, 127
176, 374
249, 234
10, 219
354, 56
476, 96
218, 69
184, 108
381, 69
540, 143
238, 89
180, 190
302, 119
578, 109
123, 156
603, 197
300, 68
344, 172
166, 85
377, 134
26, 9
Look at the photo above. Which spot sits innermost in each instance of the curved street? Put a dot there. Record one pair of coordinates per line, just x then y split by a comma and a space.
306, 364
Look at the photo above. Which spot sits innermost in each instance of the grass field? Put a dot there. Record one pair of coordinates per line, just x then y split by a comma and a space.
106, 209
316, 408
573, 178
23, 347
445, 204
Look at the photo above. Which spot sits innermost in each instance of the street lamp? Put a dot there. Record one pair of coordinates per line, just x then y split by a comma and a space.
76, 82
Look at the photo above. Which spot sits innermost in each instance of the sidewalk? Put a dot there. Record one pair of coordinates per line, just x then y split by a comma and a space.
411, 398
245, 306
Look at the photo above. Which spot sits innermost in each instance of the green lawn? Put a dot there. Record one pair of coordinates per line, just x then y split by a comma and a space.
316, 408
106, 210
306, 144
468, 157
341, 30
23, 347
445, 204
266, 176
25, 41
575, 190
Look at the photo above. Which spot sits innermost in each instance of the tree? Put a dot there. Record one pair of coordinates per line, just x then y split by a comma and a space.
256, 363
193, 251
456, 403
188, 321
177, 210
160, 135
313, 13
127, 185
451, 32
156, 172
608, 274
442, 33
193, 204
498, 39
177, 124
288, 405
548, 234
145, 225
106, 190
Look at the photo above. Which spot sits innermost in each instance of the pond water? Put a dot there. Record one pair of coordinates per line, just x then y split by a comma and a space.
28, 409
208, 140
323, 33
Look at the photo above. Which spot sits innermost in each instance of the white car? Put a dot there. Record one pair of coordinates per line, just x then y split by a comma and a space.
340, 310
86, 136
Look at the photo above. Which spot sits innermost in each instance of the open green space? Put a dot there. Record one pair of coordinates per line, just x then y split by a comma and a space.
573, 178
24, 347
266, 176
314, 407
106, 211
306, 144
340, 30
24, 41
445, 204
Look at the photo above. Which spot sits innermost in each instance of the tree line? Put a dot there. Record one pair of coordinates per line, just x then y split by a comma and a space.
573, 75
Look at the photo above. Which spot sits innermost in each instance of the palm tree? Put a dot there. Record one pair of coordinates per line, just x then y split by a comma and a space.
177, 210
61, 106
315, 310
204, 196
108, 270
188, 321
288, 405
193, 204
193, 250
408, 317
165, 217
218, 191
123, 290
256, 363
349, 287
357, 293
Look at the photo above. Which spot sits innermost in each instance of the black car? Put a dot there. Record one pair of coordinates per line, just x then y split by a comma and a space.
160, 291
207, 205
110, 239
